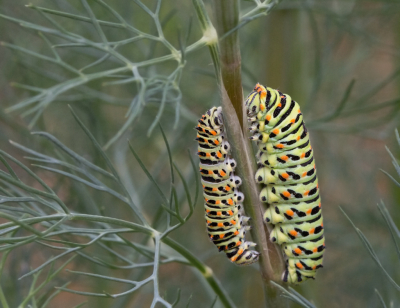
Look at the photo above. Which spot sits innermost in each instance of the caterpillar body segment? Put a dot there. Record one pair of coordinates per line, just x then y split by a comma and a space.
308, 230
230, 200
291, 158
213, 153
291, 191
311, 249
293, 212
278, 193
222, 187
267, 175
225, 220
301, 269
220, 171
211, 141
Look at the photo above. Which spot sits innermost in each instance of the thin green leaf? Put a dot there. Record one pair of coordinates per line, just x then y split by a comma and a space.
196, 178
75, 17
294, 297
110, 165
390, 177
178, 297
95, 21
109, 278
20, 223
214, 302
67, 150
380, 298
160, 109
3, 260
54, 294
10, 170
189, 300
394, 161
169, 210
186, 188
176, 203
371, 251
83, 181
389, 221
80, 305
378, 87
149, 176
209, 33
169, 153
51, 276
342, 103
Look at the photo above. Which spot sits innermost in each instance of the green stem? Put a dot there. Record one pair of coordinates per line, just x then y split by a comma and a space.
204, 270
271, 260
3, 299
227, 18
209, 34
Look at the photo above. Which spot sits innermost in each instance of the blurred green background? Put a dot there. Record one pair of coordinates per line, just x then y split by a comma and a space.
313, 50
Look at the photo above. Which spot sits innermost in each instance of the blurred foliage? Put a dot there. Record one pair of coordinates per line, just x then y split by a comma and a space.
393, 229
338, 59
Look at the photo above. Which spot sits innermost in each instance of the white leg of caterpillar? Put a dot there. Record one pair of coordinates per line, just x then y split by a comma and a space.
256, 137
245, 219
226, 146
239, 197
237, 181
242, 233
251, 244
254, 127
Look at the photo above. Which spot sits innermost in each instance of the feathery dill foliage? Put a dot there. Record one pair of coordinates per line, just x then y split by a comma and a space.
117, 56
125, 255
102, 222
111, 61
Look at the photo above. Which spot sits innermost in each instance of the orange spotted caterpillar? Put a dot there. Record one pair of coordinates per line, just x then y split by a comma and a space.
226, 225
287, 168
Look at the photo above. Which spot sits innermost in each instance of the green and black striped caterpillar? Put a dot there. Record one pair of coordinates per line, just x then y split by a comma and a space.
287, 168
226, 225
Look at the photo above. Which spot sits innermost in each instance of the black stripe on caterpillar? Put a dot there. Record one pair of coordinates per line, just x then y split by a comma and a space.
226, 224
287, 168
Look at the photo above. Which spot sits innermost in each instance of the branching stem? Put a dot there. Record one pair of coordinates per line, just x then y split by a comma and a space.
271, 261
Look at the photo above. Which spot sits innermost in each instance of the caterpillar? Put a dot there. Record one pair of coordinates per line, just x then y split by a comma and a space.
291, 192
226, 224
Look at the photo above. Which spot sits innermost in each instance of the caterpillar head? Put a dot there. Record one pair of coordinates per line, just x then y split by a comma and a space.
217, 117
256, 100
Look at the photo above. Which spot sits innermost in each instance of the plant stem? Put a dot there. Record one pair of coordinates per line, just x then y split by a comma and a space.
209, 34
271, 261
3, 299
204, 270
227, 17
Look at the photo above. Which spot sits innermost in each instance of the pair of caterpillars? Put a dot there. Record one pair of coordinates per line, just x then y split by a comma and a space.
287, 171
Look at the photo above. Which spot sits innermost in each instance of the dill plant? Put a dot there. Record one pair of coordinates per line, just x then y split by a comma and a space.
103, 218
